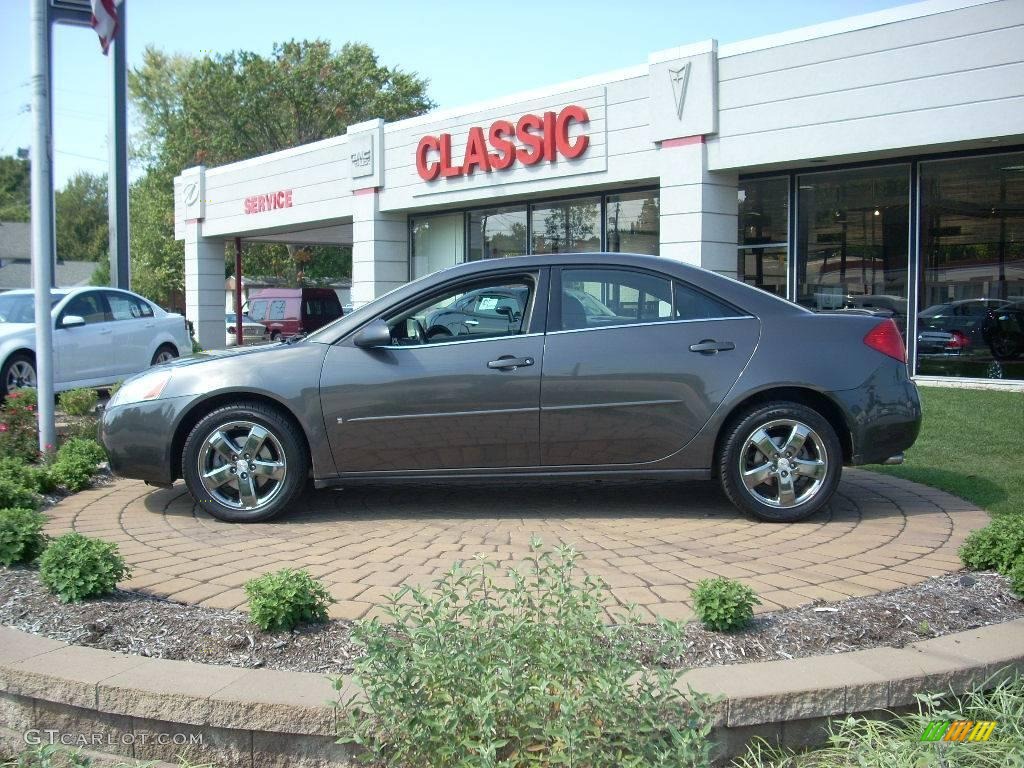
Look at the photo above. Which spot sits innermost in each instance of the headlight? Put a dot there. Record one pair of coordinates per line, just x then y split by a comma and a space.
148, 386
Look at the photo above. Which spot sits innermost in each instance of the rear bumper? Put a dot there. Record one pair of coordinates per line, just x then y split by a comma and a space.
883, 414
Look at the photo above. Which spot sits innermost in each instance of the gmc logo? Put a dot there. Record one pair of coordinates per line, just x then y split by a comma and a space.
540, 138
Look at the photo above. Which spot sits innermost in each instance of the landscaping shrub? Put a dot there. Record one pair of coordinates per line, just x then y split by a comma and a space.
19, 432
724, 605
1016, 576
997, 546
21, 535
79, 402
14, 494
518, 670
75, 463
36, 479
75, 567
286, 598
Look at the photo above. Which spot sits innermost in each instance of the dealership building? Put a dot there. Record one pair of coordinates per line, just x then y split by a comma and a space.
874, 164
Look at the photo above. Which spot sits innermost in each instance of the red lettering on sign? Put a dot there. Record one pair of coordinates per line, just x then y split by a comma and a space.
532, 139
270, 201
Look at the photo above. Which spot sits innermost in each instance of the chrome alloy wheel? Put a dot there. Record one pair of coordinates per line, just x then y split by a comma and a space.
163, 357
783, 463
242, 465
20, 374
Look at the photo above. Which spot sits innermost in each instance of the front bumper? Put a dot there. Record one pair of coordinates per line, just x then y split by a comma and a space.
883, 414
138, 438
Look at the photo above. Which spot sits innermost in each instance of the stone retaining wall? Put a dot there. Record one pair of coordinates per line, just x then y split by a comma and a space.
257, 718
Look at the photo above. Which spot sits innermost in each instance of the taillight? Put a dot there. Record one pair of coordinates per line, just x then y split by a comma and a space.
959, 340
885, 338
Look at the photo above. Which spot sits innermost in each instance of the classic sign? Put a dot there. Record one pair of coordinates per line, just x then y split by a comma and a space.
282, 198
532, 139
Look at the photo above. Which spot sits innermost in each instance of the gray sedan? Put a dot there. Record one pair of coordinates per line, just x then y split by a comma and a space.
682, 374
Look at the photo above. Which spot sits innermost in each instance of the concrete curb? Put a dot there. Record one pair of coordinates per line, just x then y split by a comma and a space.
259, 717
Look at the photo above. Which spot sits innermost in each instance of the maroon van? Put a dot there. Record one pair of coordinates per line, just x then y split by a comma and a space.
288, 311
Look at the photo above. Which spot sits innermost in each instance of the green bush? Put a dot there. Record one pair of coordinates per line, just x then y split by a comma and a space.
997, 546
14, 494
724, 605
1016, 576
30, 476
286, 598
79, 402
75, 567
75, 463
19, 429
21, 535
517, 671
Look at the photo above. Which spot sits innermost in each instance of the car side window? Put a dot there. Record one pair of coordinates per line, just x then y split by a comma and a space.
90, 306
476, 311
258, 309
276, 310
692, 304
125, 307
599, 298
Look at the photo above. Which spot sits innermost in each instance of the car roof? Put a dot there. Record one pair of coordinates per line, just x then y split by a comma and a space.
31, 291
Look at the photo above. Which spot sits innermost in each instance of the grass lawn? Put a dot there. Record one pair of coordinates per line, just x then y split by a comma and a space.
971, 445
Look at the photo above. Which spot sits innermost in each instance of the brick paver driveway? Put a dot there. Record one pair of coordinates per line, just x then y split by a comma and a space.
650, 542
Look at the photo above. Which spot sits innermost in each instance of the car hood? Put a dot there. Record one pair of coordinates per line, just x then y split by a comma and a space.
218, 355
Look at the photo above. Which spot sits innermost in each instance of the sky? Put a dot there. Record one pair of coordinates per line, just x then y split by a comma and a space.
470, 51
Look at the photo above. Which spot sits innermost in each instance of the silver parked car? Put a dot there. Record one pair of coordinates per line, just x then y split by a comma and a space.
589, 365
100, 336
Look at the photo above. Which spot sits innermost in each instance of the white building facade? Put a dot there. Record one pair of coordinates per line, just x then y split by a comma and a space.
874, 163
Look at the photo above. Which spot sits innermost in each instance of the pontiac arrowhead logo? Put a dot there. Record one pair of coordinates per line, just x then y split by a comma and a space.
679, 78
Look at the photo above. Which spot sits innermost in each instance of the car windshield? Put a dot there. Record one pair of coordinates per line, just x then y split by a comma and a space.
20, 307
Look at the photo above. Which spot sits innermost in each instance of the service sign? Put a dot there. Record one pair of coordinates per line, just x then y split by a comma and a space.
532, 139
270, 201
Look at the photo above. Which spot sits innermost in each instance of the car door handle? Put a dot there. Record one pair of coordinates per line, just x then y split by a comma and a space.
710, 346
471, 322
105, 331
509, 363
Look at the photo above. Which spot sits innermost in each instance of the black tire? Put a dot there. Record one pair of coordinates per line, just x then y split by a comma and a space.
288, 438
16, 362
735, 447
163, 349
275, 336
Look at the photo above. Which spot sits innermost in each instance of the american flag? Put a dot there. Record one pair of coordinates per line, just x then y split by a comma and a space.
104, 21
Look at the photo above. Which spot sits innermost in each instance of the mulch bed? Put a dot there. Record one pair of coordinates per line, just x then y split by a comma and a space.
134, 623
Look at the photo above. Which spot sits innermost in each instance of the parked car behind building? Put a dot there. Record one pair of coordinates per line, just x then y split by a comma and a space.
288, 311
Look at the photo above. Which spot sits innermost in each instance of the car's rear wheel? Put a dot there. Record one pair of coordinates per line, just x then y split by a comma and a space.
164, 354
780, 462
19, 370
245, 463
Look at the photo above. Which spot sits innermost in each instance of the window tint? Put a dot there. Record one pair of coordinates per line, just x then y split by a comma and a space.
89, 306
124, 307
691, 304
258, 309
314, 308
597, 298
469, 312
276, 310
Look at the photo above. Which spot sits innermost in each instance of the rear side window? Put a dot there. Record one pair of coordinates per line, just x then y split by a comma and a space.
277, 310
691, 304
597, 298
314, 308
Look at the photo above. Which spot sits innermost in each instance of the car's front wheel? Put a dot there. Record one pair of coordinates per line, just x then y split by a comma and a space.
780, 462
245, 463
164, 354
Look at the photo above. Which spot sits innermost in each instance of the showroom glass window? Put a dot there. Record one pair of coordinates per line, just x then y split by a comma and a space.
437, 242
763, 234
497, 232
971, 296
852, 240
567, 226
632, 222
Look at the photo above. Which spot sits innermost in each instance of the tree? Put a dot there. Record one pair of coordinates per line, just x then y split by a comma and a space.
224, 108
14, 189
82, 224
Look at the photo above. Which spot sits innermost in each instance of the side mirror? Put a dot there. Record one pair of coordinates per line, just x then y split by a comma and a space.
375, 334
72, 321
